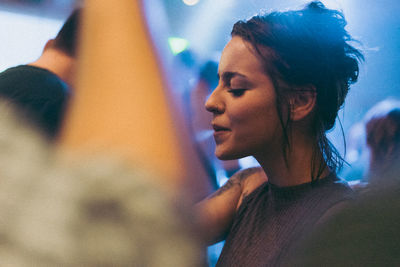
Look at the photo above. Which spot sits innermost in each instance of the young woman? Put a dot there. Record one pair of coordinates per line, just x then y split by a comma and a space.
282, 79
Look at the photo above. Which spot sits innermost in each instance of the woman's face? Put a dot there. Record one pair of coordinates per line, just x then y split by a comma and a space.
245, 118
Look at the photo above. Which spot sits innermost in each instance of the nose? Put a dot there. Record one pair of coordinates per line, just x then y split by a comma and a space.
214, 103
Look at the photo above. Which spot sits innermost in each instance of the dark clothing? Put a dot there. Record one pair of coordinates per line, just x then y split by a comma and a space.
270, 219
364, 233
40, 95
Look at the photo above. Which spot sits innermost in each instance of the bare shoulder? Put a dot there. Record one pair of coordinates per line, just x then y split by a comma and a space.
215, 213
250, 179
250, 176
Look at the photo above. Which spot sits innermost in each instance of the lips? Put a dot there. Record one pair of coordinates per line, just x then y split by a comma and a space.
218, 128
220, 133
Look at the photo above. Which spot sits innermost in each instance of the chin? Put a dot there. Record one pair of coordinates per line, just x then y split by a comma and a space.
228, 155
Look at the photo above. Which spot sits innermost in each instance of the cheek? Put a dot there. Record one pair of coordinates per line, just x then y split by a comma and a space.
252, 128
262, 130
255, 118
241, 115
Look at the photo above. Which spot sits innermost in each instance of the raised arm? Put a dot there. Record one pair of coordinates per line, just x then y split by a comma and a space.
120, 105
215, 213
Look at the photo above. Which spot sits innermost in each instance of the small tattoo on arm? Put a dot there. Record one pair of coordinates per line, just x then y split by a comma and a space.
236, 180
243, 175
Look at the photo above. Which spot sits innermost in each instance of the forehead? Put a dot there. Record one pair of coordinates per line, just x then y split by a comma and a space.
239, 56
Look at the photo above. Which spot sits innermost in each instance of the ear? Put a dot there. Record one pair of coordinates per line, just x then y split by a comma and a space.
302, 102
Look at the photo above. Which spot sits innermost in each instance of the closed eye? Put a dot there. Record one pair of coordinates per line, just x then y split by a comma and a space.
237, 92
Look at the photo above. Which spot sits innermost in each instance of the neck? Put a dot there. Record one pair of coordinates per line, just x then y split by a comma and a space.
57, 62
298, 169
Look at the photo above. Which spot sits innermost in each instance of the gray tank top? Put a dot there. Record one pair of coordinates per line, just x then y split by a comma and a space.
270, 219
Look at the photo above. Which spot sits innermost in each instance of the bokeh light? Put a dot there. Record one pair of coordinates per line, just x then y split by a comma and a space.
191, 2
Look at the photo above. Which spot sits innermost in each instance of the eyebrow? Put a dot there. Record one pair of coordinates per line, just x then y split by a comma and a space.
229, 75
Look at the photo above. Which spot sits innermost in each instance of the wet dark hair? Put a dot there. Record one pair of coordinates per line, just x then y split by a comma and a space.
306, 50
67, 38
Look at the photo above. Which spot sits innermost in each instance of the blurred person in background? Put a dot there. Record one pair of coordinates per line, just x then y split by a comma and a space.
373, 145
74, 210
382, 128
68, 208
41, 89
